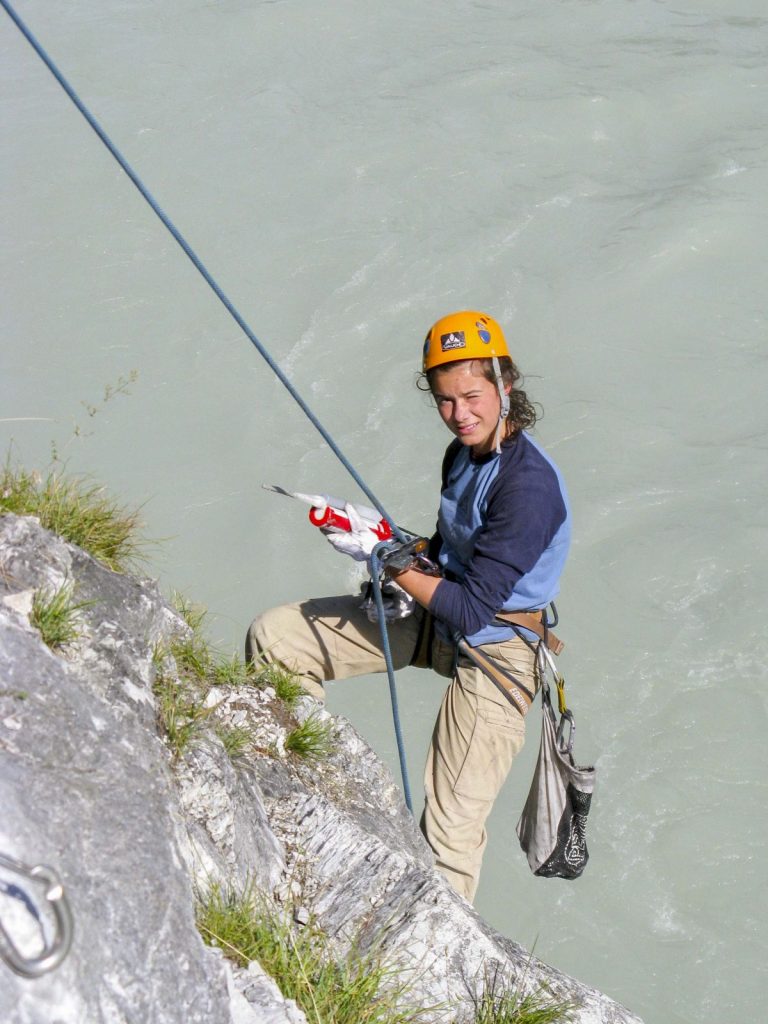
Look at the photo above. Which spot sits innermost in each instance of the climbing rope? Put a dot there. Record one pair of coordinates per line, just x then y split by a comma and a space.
232, 310
377, 596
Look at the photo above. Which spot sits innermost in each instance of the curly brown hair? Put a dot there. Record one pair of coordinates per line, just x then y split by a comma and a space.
522, 412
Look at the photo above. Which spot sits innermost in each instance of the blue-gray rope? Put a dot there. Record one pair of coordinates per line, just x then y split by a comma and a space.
376, 580
232, 310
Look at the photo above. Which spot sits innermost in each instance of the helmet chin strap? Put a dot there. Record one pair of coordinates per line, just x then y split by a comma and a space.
504, 399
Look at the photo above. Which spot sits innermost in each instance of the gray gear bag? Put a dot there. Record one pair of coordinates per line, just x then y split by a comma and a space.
552, 827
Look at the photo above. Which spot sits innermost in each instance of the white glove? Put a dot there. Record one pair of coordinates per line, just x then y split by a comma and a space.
358, 542
397, 604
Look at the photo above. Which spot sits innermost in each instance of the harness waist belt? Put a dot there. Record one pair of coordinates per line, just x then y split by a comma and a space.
534, 622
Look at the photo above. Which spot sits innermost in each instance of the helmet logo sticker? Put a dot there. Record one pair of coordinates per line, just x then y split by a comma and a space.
482, 330
453, 340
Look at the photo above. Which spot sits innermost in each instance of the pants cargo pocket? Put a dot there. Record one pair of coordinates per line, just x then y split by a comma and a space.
496, 739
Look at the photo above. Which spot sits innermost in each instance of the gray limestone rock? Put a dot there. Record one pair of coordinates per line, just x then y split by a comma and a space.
264, 998
229, 841
88, 786
84, 791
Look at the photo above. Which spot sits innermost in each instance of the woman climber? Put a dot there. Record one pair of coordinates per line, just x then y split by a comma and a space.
503, 532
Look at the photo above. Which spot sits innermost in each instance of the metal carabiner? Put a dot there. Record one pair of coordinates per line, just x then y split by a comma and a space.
566, 746
54, 952
545, 660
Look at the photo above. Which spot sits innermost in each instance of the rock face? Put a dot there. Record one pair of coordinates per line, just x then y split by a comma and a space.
88, 787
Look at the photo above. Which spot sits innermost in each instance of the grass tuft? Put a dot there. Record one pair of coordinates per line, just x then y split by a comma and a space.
76, 510
54, 614
180, 711
181, 694
193, 654
356, 990
512, 1008
285, 684
193, 614
311, 740
235, 738
500, 1004
232, 671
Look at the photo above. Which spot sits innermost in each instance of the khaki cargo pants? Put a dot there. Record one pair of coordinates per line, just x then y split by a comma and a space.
477, 734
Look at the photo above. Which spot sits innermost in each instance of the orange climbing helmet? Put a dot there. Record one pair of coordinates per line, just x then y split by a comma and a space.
463, 335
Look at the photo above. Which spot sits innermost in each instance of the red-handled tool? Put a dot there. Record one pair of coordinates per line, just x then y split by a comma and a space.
329, 513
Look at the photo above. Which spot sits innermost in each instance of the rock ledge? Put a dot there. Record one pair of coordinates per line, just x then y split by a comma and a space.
87, 786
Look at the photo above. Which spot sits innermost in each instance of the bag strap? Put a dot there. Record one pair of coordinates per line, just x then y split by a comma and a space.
513, 689
535, 622
516, 692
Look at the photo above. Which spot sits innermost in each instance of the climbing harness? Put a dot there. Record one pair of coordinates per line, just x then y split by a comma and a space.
536, 622
516, 692
54, 950
232, 310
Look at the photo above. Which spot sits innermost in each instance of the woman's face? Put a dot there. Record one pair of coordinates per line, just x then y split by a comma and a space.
468, 404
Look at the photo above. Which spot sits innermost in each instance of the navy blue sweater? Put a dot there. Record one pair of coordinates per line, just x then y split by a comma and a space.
503, 533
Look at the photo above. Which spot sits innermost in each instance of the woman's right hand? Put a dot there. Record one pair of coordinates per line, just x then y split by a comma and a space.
358, 542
